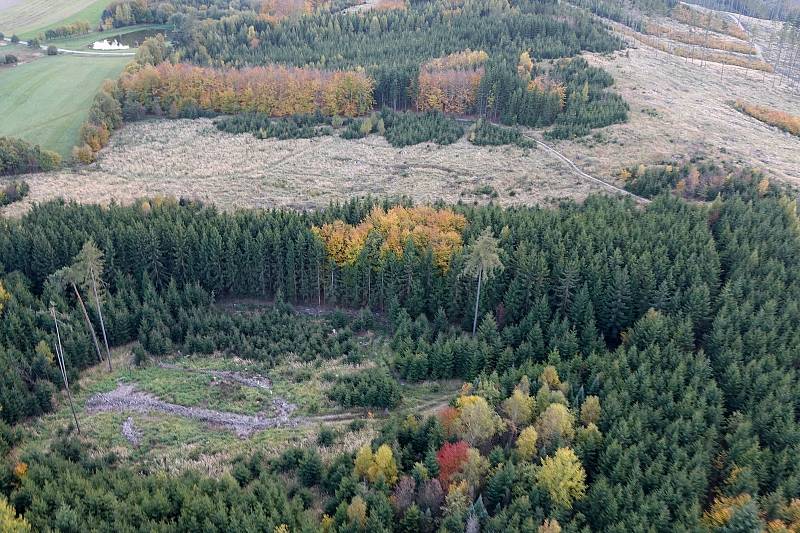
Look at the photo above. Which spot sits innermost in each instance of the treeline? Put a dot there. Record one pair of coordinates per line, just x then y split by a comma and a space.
76, 28
399, 128
681, 319
264, 127
109, 107
129, 12
21, 157
177, 89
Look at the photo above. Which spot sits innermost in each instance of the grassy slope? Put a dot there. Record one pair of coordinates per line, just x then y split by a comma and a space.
47, 100
30, 17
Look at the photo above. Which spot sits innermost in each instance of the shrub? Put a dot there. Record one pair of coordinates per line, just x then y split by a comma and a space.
21, 157
12, 192
52, 50
14, 39
11, 59
488, 134
370, 388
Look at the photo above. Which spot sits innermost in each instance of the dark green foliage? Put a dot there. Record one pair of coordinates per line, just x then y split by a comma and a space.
407, 128
488, 134
262, 127
588, 104
681, 318
13, 191
21, 157
369, 388
696, 179
92, 494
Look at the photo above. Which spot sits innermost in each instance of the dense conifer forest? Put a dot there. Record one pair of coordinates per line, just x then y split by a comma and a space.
631, 368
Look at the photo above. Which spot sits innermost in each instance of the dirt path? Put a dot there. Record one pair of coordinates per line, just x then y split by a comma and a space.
257, 382
126, 398
549, 149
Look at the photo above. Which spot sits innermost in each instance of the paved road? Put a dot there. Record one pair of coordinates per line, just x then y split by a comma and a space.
81, 52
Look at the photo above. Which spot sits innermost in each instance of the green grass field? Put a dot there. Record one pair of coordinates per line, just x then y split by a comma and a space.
46, 101
30, 17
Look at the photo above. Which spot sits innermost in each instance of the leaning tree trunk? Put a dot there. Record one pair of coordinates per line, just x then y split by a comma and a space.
62, 366
102, 322
477, 301
88, 323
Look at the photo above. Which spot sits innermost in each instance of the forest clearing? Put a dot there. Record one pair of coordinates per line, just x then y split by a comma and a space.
191, 158
679, 107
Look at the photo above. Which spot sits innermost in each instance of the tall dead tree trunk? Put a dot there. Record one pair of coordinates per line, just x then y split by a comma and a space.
63, 367
88, 322
100, 315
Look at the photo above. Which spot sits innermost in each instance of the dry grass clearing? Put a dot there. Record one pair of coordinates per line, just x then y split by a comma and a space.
194, 159
680, 108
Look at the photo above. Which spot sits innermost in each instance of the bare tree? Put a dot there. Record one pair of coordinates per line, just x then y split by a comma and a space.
62, 366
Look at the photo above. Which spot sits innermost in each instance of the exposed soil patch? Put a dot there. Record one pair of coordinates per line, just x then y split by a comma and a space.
128, 398
130, 432
258, 382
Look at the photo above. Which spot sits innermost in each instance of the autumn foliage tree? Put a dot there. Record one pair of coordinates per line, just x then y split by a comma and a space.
274, 90
439, 230
450, 458
450, 84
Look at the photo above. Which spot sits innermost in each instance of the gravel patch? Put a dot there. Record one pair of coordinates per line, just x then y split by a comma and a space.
128, 398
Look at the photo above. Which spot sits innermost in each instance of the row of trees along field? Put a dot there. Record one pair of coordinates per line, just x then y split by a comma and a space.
682, 320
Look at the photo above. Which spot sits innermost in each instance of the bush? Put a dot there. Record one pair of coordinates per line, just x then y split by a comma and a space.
13, 192
263, 127
407, 128
326, 436
370, 388
34, 43
21, 157
488, 134
52, 50
14, 39
11, 59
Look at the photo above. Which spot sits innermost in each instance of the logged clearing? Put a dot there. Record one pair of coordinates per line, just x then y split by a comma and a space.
191, 158
681, 108
45, 101
28, 17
